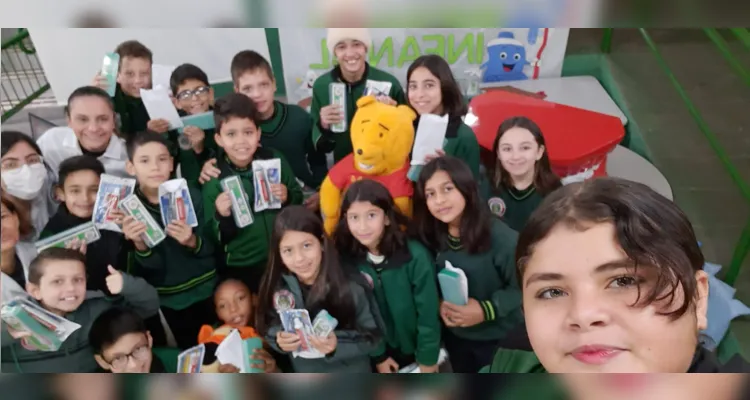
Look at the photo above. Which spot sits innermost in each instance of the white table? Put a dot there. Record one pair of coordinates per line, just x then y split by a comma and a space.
576, 91
625, 163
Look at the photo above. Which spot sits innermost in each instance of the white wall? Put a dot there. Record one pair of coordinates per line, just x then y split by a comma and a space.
71, 57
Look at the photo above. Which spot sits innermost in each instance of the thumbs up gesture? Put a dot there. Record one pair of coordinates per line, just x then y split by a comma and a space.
114, 281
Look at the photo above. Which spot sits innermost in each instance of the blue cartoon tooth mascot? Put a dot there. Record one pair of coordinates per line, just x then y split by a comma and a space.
506, 59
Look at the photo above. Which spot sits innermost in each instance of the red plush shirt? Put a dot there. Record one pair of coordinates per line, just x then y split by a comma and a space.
344, 173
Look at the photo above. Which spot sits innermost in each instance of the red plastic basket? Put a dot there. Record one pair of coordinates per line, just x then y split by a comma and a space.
578, 140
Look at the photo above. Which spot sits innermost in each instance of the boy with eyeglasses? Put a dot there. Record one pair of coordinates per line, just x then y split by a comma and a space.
192, 95
122, 344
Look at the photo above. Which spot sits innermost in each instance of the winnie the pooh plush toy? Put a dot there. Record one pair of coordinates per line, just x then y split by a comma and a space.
382, 136
212, 338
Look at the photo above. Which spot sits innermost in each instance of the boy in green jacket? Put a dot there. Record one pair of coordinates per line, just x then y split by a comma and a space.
350, 46
245, 249
57, 282
182, 266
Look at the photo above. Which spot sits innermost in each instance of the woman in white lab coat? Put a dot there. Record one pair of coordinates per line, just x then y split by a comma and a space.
27, 181
91, 131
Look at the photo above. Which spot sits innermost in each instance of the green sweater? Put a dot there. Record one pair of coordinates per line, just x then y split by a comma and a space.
341, 143
76, 355
131, 113
289, 132
492, 282
407, 296
181, 275
191, 163
248, 246
461, 142
353, 349
514, 206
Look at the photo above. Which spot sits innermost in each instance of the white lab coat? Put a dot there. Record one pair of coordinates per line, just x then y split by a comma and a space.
60, 143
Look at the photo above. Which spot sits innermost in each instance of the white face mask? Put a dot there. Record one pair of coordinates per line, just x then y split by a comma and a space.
25, 182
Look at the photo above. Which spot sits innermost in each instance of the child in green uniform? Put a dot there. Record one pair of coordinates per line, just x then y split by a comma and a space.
349, 46
192, 95
57, 282
284, 127
122, 344
402, 273
182, 266
520, 174
452, 221
237, 133
613, 281
432, 89
133, 74
304, 273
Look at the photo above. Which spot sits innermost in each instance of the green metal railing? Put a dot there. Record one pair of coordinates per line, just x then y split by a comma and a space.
743, 246
23, 78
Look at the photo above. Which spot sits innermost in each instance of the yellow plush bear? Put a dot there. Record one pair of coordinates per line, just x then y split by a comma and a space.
382, 136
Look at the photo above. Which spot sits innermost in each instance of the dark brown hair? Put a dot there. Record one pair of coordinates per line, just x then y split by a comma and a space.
652, 231
37, 266
394, 238
24, 225
330, 291
234, 105
476, 220
545, 181
453, 100
249, 61
134, 49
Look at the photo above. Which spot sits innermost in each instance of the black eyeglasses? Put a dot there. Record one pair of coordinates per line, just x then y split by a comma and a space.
140, 353
187, 94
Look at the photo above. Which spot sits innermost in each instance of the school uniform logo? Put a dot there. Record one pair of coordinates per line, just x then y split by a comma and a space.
283, 300
497, 206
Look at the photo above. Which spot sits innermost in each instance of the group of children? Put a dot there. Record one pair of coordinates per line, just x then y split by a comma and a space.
376, 275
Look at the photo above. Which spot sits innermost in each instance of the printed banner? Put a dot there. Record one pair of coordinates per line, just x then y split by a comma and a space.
475, 55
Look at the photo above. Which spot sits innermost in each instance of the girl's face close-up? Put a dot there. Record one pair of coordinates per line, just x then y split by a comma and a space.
302, 254
579, 290
366, 223
518, 152
351, 55
444, 200
425, 94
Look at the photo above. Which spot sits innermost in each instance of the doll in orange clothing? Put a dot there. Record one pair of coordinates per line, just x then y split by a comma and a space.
235, 306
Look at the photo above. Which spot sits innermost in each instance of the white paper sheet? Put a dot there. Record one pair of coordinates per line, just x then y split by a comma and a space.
461, 277
231, 351
160, 106
160, 75
429, 138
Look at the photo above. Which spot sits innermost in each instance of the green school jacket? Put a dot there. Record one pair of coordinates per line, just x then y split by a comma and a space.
353, 350
76, 355
182, 276
461, 142
407, 296
132, 116
513, 206
341, 143
289, 131
248, 246
190, 162
492, 282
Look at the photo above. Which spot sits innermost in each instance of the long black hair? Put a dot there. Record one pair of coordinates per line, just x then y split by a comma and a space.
476, 221
11, 138
330, 291
450, 91
545, 181
393, 239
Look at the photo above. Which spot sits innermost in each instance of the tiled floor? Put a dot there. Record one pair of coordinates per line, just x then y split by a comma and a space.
702, 186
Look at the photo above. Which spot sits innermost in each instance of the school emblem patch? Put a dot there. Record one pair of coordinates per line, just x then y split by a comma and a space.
497, 206
369, 280
283, 300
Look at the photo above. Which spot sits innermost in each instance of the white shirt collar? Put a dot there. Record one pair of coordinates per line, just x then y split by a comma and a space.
114, 150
